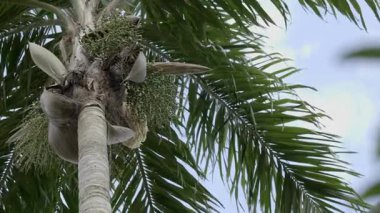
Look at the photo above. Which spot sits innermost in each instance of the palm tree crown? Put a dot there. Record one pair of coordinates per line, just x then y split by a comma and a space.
240, 115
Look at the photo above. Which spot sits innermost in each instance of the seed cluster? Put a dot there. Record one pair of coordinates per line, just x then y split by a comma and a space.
114, 34
153, 100
31, 143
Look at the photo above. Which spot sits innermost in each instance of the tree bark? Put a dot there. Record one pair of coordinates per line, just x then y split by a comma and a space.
93, 166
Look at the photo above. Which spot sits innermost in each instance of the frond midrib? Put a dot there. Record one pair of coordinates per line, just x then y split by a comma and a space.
270, 152
145, 180
6, 172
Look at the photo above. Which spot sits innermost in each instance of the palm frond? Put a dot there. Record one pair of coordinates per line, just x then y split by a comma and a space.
372, 191
245, 13
245, 118
364, 53
251, 132
31, 170
54, 190
156, 178
21, 84
18, 75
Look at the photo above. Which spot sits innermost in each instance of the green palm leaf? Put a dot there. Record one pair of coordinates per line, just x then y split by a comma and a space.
241, 116
158, 179
364, 53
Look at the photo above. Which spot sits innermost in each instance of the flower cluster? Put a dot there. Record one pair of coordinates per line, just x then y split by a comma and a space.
114, 34
153, 100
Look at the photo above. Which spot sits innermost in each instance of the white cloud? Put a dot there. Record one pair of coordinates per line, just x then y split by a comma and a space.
308, 49
276, 34
349, 105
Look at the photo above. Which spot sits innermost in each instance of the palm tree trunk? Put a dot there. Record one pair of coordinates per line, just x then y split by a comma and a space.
93, 167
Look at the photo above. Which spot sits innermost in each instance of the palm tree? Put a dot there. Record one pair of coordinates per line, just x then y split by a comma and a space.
114, 76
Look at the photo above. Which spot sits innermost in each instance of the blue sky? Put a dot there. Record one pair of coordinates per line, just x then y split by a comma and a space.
347, 90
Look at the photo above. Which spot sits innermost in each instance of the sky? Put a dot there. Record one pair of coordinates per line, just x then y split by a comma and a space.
348, 90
